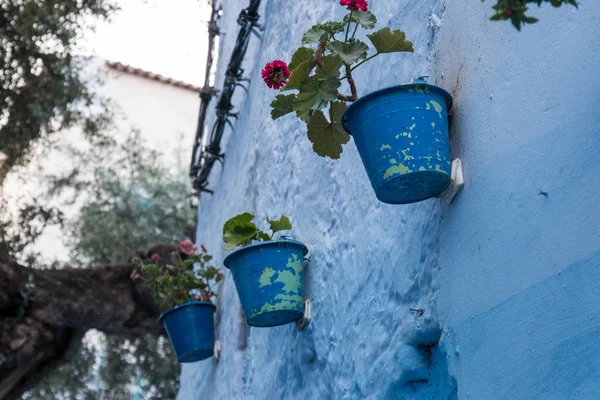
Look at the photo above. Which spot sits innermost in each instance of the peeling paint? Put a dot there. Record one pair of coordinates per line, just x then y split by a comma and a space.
438, 107
265, 277
399, 169
385, 146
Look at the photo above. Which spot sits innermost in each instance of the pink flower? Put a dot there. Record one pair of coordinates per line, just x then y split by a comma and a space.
187, 247
355, 5
275, 74
155, 257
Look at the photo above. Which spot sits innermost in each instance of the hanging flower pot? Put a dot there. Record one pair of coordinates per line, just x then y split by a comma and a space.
401, 134
182, 283
267, 275
191, 330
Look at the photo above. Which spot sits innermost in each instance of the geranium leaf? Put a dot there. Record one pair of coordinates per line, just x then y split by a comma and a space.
299, 76
239, 231
314, 93
328, 137
325, 31
366, 19
331, 67
301, 55
388, 41
332, 27
283, 224
264, 236
350, 52
282, 105
315, 34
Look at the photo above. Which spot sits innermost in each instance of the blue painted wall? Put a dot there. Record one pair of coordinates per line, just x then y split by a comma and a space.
509, 279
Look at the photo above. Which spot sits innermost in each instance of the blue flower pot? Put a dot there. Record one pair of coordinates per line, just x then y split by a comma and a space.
402, 136
191, 330
268, 279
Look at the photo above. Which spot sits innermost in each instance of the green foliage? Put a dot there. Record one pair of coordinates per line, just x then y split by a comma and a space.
144, 361
326, 136
282, 105
514, 10
132, 199
189, 279
388, 41
351, 51
42, 89
241, 231
316, 78
366, 19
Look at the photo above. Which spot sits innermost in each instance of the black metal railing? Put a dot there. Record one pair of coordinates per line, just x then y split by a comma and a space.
204, 158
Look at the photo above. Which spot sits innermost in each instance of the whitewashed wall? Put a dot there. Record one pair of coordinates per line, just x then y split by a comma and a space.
164, 114
509, 279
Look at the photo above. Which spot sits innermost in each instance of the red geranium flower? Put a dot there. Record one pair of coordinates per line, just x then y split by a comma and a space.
355, 5
187, 247
155, 257
275, 74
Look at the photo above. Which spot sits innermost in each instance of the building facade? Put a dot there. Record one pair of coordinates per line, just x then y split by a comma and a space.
507, 275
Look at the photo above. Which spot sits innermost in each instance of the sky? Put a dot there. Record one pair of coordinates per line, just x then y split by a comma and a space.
168, 37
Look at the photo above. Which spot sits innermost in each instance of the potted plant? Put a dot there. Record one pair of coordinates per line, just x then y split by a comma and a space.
401, 132
184, 288
267, 271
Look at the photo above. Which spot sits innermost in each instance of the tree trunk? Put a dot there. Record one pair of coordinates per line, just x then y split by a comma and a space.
44, 313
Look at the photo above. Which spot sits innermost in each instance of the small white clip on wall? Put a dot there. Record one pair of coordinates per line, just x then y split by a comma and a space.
302, 322
457, 182
217, 350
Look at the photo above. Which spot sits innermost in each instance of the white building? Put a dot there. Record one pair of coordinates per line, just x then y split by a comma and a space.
162, 109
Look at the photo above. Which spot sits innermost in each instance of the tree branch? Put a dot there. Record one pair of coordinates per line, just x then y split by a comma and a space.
65, 304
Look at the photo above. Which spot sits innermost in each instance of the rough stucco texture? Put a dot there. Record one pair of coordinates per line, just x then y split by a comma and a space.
509, 279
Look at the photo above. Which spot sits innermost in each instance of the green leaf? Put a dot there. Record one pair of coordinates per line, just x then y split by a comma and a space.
282, 105
314, 93
332, 27
264, 236
366, 19
331, 67
350, 52
299, 76
388, 41
328, 137
325, 31
315, 34
283, 224
301, 55
239, 231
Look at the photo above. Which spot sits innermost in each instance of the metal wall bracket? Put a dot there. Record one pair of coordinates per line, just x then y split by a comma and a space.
302, 322
457, 182
217, 350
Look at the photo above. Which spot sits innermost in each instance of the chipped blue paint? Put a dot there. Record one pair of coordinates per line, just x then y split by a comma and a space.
268, 279
413, 178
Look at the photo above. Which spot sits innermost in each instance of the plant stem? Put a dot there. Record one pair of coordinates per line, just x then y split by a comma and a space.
354, 96
355, 29
364, 61
348, 27
318, 58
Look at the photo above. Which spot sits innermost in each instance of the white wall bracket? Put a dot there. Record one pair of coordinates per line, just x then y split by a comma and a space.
457, 182
302, 322
217, 350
